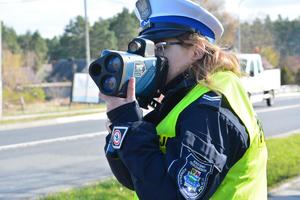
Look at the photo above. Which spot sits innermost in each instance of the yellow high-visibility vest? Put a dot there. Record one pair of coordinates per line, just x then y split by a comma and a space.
247, 179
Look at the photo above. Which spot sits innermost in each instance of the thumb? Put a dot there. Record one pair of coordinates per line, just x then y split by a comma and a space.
131, 90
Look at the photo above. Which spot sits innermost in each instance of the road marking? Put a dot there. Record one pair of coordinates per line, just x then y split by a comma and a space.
286, 134
49, 141
277, 109
50, 122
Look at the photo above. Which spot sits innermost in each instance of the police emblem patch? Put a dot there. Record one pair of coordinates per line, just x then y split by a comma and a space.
193, 177
144, 8
139, 69
118, 135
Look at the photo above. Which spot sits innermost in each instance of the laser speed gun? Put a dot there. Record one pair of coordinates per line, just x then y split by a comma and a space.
112, 71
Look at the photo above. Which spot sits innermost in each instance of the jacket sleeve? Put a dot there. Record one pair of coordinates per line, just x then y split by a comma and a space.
118, 168
196, 161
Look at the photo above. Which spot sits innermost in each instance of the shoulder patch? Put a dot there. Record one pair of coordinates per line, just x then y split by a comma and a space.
118, 135
210, 99
193, 177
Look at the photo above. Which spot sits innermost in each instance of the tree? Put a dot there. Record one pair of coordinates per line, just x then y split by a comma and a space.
10, 39
13, 75
101, 38
34, 49
72, 42
39, 46
125, 26
53, 48
255, 35
287, 36
12, 59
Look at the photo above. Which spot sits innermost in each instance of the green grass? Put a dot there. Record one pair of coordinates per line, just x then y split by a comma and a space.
48, 107
283, 159
283, 163
106, 190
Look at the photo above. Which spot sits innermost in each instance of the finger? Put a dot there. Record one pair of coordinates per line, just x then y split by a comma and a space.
103, 97
131, 89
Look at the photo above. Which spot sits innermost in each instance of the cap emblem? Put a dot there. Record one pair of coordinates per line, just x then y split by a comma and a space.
144, 9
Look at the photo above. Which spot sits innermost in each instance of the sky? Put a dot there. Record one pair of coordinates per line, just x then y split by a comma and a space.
50, 17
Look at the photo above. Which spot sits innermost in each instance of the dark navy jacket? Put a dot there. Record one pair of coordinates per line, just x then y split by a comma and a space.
209, 140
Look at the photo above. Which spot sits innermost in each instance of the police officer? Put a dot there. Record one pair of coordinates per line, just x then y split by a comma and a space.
203, 141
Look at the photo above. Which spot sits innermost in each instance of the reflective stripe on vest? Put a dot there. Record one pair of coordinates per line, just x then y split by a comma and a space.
247, 178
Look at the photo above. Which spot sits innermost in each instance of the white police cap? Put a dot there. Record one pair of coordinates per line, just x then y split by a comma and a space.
162, 19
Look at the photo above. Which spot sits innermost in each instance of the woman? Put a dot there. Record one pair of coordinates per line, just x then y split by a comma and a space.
203, 141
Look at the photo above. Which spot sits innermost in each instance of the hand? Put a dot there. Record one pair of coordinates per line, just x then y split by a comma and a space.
114, 102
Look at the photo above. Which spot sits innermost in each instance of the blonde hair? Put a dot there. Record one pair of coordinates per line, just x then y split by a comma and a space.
214, 59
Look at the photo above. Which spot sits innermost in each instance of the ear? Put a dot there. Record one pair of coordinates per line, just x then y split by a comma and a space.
198, 52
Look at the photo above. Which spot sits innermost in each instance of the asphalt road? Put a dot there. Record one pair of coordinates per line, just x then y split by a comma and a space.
282, 118
39, 160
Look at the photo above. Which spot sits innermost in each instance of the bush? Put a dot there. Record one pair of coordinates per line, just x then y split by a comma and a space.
297, 78
287, 76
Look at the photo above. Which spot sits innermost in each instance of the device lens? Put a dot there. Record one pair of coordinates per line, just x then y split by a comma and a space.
114, 64
109, 84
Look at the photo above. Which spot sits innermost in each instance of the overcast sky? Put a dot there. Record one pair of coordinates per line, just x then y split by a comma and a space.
50, 17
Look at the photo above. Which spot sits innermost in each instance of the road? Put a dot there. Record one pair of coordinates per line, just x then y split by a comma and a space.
39, 160
282, 118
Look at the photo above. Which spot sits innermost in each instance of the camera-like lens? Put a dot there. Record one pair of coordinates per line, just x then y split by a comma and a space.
109, 84
114, 64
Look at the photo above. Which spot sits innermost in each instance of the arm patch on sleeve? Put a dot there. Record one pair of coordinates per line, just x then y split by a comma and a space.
210, 99
193, 177
118, 135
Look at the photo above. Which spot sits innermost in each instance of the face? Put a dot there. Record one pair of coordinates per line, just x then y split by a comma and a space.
179, 57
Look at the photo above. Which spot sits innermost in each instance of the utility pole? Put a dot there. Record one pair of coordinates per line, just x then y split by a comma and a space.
1, 69
87, 49
239, 27
87, 37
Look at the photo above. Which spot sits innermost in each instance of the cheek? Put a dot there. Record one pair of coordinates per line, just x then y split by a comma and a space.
178, 63
179, 60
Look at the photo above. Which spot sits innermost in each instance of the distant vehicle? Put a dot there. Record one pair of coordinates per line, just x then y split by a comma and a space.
260, 84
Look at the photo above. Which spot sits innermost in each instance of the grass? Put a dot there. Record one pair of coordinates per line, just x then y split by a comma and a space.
283, 159
106, 190
283, 163
47, 107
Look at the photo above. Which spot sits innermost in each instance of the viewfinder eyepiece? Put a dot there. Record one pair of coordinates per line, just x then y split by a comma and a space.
134, 46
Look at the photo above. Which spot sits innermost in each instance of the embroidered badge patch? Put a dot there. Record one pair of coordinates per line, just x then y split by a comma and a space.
118, 135
193, 177
144, 8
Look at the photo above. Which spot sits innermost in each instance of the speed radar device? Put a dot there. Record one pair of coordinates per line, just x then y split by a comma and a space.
112, 71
